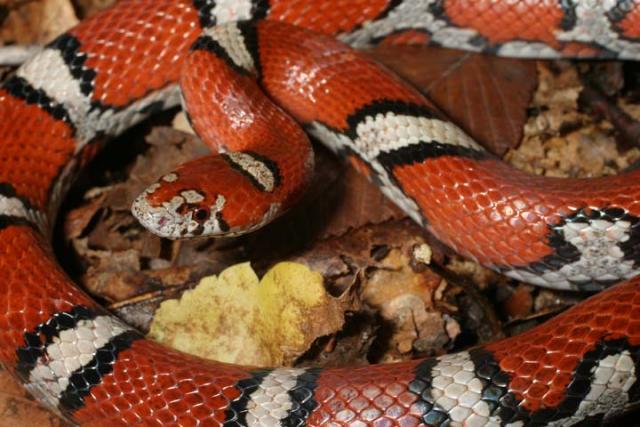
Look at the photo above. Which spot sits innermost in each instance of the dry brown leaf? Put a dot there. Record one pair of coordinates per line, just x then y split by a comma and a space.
91, 7
29, 22
359, 203
519, 303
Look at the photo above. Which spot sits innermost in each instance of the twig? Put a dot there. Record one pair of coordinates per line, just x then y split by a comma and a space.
11, 56
600, 104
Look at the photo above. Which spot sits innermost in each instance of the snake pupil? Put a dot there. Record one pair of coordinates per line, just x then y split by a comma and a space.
201, 214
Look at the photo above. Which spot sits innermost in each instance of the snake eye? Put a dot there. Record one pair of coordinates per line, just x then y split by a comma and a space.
201, 214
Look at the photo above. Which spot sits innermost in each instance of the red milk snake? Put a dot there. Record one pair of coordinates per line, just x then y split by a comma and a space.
119, 66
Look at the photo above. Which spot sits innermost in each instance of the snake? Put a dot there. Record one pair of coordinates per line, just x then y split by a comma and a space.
257, 77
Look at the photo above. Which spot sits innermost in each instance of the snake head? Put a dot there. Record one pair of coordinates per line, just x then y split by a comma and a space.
214, 196
176, 209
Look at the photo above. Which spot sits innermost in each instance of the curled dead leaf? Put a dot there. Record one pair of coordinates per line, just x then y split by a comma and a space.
235, 317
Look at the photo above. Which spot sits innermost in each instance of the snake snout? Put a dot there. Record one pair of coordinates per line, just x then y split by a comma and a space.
157, 219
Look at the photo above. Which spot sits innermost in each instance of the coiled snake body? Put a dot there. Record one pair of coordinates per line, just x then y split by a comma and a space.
118, 67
